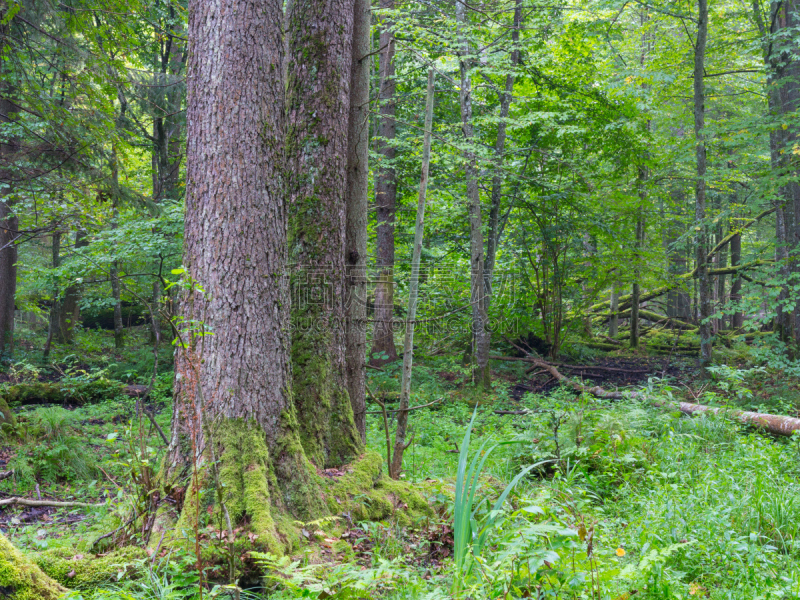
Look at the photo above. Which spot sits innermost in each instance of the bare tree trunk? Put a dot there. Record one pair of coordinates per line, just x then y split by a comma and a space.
385, 200
704, 288
408, 346
55, 309
233, 389
722, 262
613, 322
737, 318
778, 60
636, 291
8, 275
116, 294
495, 224
9, 222
482, 373
318, 110
356, 234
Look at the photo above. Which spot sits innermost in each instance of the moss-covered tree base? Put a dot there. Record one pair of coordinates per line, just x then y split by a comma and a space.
269, 514
78, 570
21, 579
366, 493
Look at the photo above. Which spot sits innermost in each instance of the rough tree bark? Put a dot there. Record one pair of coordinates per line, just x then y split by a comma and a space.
9, 222
321, 39
408, 345
385, 199
482, 337
70, 310
233, 389
704, 288
782, 94
357, 204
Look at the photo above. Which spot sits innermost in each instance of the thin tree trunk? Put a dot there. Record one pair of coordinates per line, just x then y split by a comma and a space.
318, 101
482, 373
119, 331
495, 227
737, 318
356, 230
8, 275
703, 284
383, 348
613, 322
636, 291
55, 308
408, 346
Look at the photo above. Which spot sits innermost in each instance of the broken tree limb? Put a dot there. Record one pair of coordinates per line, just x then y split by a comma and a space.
16, 501
776, 424
625, 301
596, 390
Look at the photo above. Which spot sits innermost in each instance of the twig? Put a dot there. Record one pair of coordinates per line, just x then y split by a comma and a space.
395, 410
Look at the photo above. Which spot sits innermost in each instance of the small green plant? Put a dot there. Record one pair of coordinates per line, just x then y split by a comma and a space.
469, 535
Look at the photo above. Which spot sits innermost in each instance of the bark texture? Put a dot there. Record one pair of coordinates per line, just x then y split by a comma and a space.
703, 278
482, 373
319, 70
233, 389
385, 199
356, 229
9, 223
8, 275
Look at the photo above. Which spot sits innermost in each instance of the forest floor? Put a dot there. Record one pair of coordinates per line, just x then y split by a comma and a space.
629, 499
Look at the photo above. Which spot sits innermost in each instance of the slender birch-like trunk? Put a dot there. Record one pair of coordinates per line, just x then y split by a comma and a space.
408, 345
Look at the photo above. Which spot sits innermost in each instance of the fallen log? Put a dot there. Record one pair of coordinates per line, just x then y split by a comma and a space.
595, 390
16, 501
776, 424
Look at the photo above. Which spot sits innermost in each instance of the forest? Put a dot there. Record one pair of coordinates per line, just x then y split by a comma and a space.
399, 299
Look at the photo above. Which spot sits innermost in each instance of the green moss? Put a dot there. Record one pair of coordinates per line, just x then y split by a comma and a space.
6, 416
69, 567
367, 495
21, 579
80, 393
245, 477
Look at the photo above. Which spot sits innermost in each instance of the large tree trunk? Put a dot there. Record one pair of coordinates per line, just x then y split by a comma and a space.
782, 88
318, 108
233, 389
482, 337
383, 348
9, 222
356, 235
704, 288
